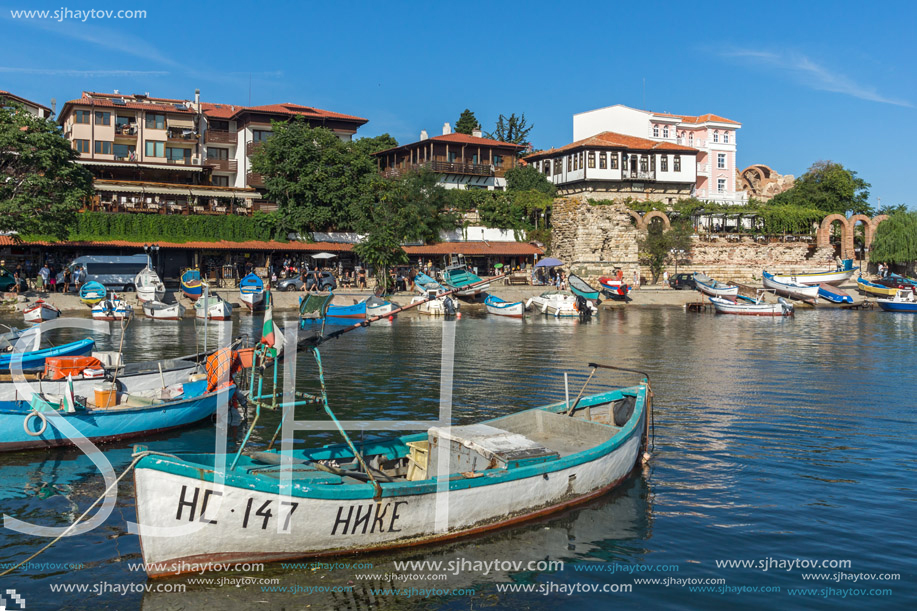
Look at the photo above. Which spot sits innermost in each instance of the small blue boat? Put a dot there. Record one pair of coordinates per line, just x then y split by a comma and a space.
368, 308
92, 292
191, 285
465, 283
580, 287
35, 359
425, 284
903, 301
499, 307
251, 291
25, 426
833, 294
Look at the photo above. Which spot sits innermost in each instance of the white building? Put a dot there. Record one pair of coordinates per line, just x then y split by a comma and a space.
610, 165
714, 138
34, 108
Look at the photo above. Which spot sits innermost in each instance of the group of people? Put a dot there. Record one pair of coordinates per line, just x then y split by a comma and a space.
50, 277
883, 270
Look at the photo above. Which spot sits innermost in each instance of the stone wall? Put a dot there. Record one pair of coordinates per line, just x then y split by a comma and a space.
594, 240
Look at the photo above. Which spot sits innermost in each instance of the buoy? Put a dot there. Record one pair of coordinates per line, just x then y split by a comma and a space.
459, 315
647, 457
391, 318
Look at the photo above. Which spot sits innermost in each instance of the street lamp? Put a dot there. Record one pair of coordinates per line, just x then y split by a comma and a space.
677, 253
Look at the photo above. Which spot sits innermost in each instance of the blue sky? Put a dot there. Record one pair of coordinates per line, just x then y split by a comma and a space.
808, 81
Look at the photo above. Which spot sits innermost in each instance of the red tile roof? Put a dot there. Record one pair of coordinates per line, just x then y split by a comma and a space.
228, 111
443, 248
22, 100
615, 140
107, 103
708, 118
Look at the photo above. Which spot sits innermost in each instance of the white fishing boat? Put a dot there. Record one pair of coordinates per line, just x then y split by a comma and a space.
213, 307
832, 277
149, 286
442, 306
714, 288
203, 508
745, 306
499, 307
40, 311
113, 308
158, 310
251, 291
793, 290
560, 304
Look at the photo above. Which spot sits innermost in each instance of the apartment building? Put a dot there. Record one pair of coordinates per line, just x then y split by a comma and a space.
173, 156
713, 136
610, 165
462, 161
42, 112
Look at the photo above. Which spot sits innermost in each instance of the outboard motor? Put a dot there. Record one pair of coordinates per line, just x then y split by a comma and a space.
582, 306
448, 306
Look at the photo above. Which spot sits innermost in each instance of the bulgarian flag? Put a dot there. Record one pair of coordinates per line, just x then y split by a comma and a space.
267, 330
69, 400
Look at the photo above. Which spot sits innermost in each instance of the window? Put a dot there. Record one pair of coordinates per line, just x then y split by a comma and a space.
217, 153
665, 131
590, 159
676, 163
576, 162
569, 163
603, 161
103, 147
156, 122
81, 116
652, 163
452, 156
260, 135
103, 118
124, 151
220, 181
613, 158
716, 136
726, 137
546, 167
177, 154
81, 146
218, 126
474, 159
498, 161
624, 162
721, 161
691, 139
664, 163
558, 166
655, 131
581, 160
720, 185
643, 163
155, 149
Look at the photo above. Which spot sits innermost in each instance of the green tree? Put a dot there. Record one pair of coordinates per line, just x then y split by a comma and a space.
895, 240
467, 123
829, 187
512, 129
375, 144
527, 178
41, 188
318, 181
655, 250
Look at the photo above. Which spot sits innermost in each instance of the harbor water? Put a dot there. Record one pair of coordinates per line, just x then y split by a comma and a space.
779, 443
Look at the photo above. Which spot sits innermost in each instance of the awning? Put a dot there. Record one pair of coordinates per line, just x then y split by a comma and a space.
141, 166
119, 188
181, 123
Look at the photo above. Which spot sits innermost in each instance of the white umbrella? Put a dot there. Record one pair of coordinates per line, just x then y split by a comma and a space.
323, 255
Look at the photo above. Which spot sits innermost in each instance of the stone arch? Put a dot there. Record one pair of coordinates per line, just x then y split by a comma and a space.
656, 214
867, 230
823, 238
638, 220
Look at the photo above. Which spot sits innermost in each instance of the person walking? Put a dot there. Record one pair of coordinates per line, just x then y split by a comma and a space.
636, 278
665, 278
43, 274
67, 277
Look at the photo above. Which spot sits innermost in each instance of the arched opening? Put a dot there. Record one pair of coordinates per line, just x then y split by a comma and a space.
656, 214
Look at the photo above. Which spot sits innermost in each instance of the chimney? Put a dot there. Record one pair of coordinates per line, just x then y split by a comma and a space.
423, 134
53, 106
447, 129
117, 92
197, 98
477, 133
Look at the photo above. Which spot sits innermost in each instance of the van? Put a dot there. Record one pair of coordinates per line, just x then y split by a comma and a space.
115, 273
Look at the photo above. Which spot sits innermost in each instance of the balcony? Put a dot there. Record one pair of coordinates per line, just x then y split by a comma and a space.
181, 136
251, 147
213, 136
255, 180
447, 167
126, 132
222, 165
638, 174
183, 161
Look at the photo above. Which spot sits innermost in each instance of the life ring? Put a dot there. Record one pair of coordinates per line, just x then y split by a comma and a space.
44, 424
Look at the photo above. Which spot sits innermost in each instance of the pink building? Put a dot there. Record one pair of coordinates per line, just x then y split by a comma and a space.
713, 136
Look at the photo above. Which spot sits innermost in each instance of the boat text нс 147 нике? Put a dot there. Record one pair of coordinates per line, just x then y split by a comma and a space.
271, 506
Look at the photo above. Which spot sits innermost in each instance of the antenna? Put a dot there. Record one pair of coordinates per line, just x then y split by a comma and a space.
644, 93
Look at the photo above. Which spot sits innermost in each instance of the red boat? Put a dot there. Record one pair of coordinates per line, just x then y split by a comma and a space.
614, 288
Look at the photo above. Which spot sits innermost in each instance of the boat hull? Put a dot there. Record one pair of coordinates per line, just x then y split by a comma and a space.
797, 291
834, 278
892, 306
833, 294
40, 312
726, 306
35, 359
498, 307
712, 288
101, 425
318, 521
175, 311
150, 293
614, 289
876, 289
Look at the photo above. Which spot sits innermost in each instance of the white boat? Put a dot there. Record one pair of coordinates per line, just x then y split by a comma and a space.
436, 307
163, 311
149, 286
113, 308
213, 307
497, 473
560, 304
707, 285
40, 311
499, 307
251, 291
834, 278
793, 290
745, 306
89, 373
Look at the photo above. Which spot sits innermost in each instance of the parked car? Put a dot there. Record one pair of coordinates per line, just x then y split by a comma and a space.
320, 281
683, 281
